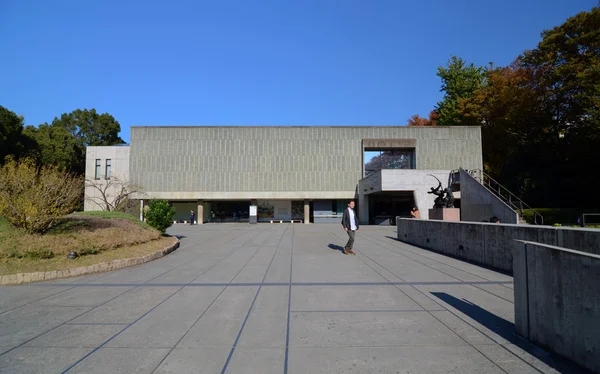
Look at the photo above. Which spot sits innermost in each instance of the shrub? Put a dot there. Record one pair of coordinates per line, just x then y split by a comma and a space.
160, 215
34, 199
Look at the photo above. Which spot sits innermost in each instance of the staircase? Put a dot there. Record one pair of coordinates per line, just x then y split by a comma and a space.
505, 195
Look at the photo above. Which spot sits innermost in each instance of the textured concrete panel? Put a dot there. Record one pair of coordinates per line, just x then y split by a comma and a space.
402, 360
206, 360
359, 298
20, 325
561, 310
479, 204
40, 360
122, 360
585, 240
128, 307
76, 336
275, 159
371, 329
170, 321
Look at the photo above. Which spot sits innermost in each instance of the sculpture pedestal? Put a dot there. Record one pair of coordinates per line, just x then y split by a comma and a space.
445, 214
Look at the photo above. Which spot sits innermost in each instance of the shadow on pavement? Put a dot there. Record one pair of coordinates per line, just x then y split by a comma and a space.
506, 330
336, 247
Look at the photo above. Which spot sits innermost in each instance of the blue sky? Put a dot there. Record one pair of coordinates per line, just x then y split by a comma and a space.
253, 62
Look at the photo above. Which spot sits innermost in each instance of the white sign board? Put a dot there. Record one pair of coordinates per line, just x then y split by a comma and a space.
252, 210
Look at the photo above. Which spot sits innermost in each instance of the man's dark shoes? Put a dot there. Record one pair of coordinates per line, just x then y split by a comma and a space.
351, 252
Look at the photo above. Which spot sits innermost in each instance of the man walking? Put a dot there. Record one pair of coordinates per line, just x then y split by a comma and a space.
350, 224
192, 216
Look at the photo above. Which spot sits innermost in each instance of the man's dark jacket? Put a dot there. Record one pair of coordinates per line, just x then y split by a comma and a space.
346, 219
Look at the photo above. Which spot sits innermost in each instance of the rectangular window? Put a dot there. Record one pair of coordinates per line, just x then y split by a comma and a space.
108, 165
98, 166
378, 159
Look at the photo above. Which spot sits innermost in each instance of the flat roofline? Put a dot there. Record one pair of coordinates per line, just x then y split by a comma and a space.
304, 126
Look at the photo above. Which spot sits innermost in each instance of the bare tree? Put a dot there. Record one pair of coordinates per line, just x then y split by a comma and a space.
113, 194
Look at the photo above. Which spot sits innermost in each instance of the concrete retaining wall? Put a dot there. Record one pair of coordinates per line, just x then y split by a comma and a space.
491, 244
557, 300
477, 203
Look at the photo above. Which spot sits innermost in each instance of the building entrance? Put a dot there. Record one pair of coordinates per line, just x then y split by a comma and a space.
384, 207
229, 211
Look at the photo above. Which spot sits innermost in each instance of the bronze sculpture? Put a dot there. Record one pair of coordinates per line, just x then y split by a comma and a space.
445, 198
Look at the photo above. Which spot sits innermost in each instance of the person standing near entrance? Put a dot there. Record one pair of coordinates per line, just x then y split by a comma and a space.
191, 217
350, 224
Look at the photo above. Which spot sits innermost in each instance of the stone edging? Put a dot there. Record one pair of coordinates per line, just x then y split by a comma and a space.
22, 278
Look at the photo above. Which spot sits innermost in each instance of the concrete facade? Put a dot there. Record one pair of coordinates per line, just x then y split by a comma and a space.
200, 165
416, 181
280, 162
119, 168
479, 204
557, 301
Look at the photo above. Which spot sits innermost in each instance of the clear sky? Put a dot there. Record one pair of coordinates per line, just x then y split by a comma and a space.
253, 62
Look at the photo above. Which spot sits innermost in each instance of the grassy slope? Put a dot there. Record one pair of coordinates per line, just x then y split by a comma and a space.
104, 235
112, 215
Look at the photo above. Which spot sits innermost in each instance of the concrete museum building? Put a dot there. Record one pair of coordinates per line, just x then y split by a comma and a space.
288, 173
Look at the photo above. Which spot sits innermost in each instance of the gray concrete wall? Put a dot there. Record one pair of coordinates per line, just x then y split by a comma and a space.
491, 244
417, 181
557, 301
478, 203
119, 156
280, 162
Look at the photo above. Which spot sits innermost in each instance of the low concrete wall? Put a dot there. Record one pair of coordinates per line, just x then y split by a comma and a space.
491, 244
557, 300
477, 203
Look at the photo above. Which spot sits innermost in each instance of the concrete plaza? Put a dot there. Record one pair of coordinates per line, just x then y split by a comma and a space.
272, 298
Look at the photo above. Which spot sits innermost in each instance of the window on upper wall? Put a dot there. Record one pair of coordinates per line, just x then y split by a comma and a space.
108, 165
98, 168
378, 159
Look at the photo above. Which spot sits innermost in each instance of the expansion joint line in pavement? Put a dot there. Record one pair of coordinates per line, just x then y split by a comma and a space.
142, 316
196, 242
285, 284
287, 329
66, 322
205, 310
443, 272
237, 339
450, 311
430, 258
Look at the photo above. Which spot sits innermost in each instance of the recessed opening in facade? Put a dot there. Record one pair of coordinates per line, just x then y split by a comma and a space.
385, 206
397, 158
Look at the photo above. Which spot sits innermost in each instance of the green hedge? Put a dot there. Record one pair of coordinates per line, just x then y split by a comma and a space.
560, 216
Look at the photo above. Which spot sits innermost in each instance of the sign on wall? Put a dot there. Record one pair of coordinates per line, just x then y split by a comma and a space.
275, 209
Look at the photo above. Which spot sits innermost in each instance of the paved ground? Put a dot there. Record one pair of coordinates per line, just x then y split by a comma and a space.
280, 298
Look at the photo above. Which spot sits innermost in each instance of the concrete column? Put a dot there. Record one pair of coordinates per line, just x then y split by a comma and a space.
363, 209
200, 213
306, 212
142, 210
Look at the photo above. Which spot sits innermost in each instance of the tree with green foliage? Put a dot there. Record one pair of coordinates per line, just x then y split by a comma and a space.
90, 128
160, 215
55, 146
63, 142
34, 199
459, 81
11, 138
541, 116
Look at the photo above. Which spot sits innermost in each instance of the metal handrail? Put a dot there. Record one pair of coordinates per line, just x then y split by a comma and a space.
511, 199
